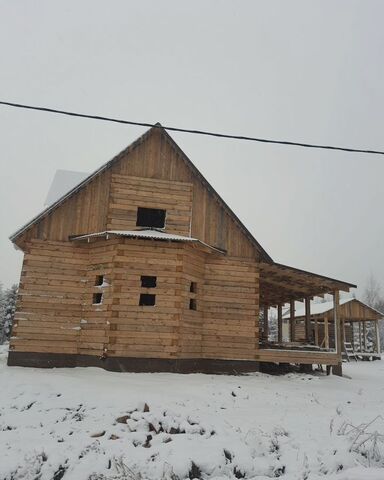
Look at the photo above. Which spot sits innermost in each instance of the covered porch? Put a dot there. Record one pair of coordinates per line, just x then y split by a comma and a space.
281, 287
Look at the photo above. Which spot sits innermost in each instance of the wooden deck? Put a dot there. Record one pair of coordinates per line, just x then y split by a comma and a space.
296, 356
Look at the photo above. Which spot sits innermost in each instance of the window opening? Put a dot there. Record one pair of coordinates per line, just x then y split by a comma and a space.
150, 217
192, 304
148, 281
147, 299
97, 298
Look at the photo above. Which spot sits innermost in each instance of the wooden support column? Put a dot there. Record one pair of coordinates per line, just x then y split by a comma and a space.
326, 332
308, 336
365, 335
360, 340
337, 369
377, 334
292, 321
316, 332
352, 335
265, 323
280, 323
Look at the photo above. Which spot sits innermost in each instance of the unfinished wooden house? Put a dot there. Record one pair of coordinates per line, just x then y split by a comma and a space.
359, 327
143, 267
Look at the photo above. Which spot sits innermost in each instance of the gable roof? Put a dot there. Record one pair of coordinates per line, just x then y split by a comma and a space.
124, 152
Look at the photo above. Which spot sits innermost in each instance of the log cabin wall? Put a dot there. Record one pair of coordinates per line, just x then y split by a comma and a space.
96, 315
231, 308
142, 330
128, 193
193, 304
158, 159
50, 299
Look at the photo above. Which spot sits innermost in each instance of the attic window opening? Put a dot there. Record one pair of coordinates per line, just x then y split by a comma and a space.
97, 298
148, 281
150, 217
192, 304
99, 280
147, 299
193, 287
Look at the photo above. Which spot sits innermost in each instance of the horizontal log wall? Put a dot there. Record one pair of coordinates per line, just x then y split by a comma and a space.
231, 308
129, 193
145, 331
191, 327
50, 300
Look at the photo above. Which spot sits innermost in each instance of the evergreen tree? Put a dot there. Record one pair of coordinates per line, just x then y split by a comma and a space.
8, 309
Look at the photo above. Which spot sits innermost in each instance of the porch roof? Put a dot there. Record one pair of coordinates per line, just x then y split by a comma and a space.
280, 284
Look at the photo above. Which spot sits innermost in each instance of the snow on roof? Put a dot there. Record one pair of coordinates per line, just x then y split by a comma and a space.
63, 181
317, 308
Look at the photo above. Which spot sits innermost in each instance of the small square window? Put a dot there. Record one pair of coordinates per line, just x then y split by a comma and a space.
99, 280
97, 298
147, 299
150, 217
193, 287
148, 281
192, 304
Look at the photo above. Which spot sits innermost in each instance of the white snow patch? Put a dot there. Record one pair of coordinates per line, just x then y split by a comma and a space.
90, 424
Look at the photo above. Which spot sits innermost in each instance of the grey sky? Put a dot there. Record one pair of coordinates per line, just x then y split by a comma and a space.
298, 70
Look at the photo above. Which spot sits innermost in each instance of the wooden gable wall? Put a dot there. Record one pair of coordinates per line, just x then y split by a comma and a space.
153, 171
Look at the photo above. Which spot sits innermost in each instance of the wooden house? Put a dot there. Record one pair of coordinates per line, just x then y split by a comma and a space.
144, 267
359, 327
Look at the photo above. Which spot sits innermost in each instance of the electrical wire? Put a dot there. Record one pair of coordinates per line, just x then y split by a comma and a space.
191, 131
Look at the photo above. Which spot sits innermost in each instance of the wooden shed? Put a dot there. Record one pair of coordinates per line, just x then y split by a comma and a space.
359, 327
144, 267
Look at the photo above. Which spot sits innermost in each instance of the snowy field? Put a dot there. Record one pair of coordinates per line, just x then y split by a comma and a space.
88, 424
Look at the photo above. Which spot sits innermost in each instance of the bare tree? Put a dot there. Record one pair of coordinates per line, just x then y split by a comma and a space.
374, 297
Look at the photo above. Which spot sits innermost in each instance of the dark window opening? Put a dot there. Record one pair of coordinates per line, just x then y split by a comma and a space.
150, 217
97, 298
193, 287
99, 280
148, 281
192, 304
147, 299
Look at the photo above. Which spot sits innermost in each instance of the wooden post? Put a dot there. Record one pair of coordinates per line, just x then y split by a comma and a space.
292, 321
265, 323
360, 343
308, 336
337, 369
365, 335
352, 335
326, 333
316, 332
280, 323
377, 332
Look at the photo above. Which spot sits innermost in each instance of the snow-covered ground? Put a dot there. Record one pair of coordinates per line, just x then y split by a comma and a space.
89, 424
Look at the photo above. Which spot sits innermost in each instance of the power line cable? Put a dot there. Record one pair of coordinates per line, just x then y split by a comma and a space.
196, 132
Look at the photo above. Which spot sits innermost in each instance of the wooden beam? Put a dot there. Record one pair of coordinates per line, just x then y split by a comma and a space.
326, 333
337, 370
316, 332
308, 320
280, 323
360, 340
365, 334
292, 321
377, 332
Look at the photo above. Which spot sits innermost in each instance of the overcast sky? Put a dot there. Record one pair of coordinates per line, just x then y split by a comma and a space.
298, 70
